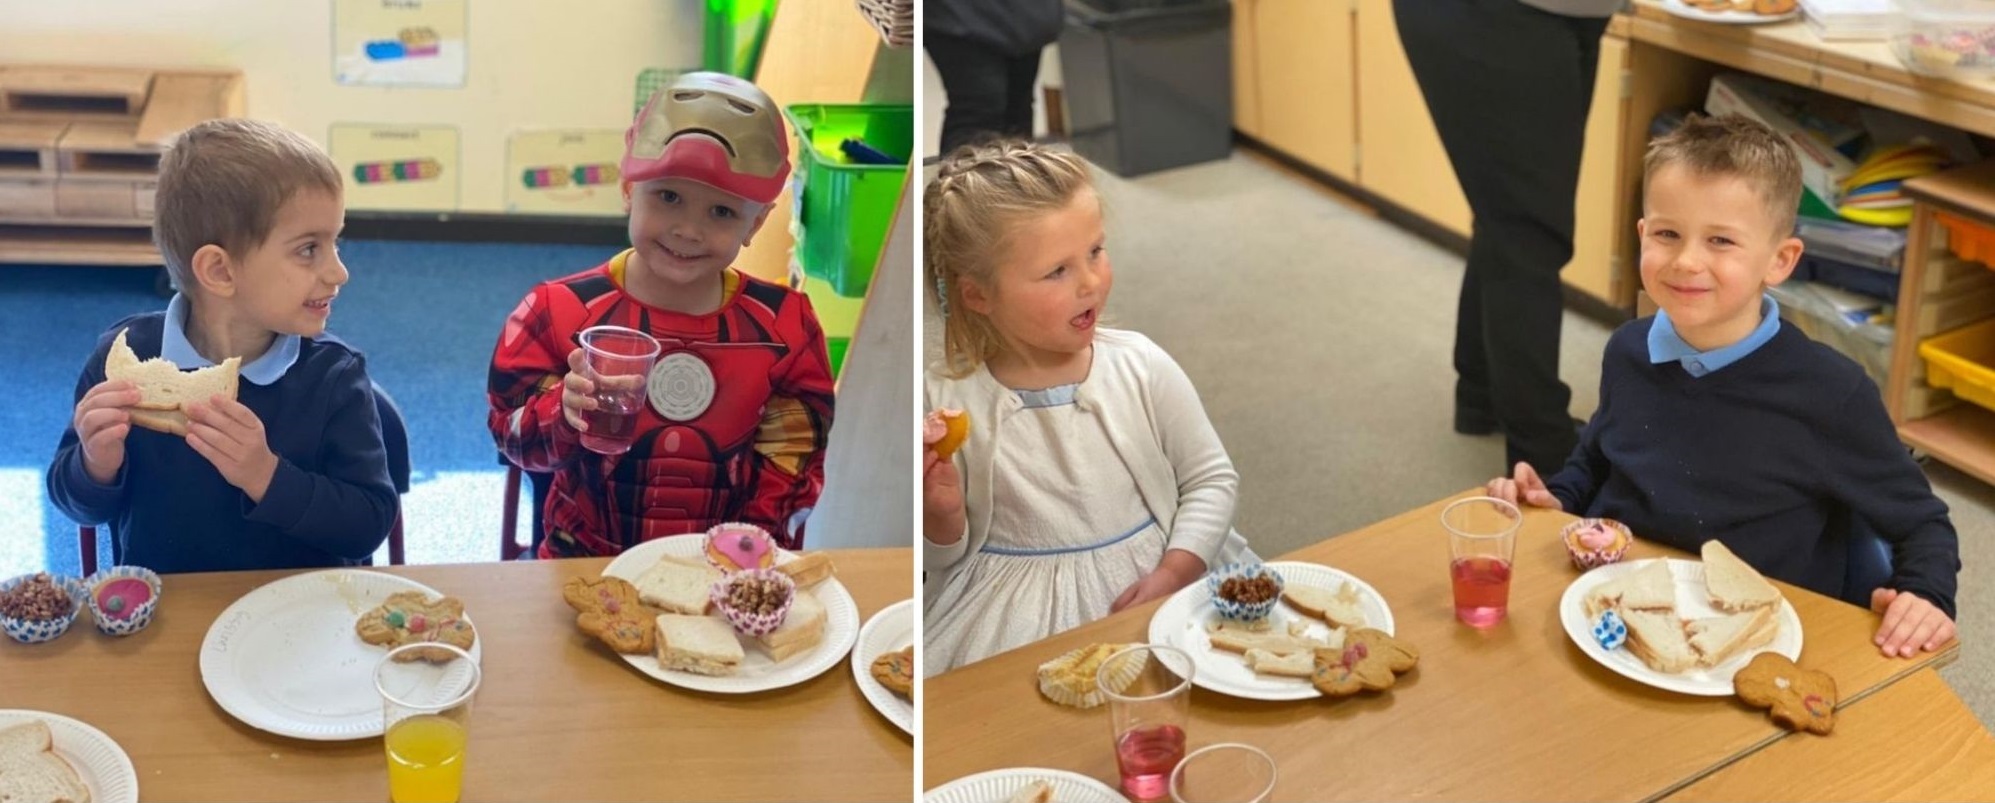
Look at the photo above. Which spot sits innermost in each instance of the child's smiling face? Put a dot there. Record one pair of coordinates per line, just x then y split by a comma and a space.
1709, 249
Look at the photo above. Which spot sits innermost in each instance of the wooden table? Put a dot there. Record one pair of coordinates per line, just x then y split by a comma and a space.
1914, 740
558, 716
1517, 712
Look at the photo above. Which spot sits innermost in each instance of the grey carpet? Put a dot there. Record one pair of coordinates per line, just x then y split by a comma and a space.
1320, 336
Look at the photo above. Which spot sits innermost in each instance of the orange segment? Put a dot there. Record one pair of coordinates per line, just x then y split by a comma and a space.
958, 424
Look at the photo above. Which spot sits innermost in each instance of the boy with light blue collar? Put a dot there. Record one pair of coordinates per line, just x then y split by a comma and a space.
1718, 421
292, 472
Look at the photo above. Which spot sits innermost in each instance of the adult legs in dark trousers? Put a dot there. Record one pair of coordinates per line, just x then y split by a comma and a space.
1509, 87
989, 93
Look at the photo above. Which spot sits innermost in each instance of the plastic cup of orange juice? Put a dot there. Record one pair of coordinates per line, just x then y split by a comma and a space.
426, 691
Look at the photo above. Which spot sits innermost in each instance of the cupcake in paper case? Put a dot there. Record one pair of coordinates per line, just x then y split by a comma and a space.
1072, 679
754, 601
122, 599
1596, 542
1244, 592
38, 607
734, 547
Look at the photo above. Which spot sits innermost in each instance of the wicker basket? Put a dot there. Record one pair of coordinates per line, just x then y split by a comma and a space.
893, 19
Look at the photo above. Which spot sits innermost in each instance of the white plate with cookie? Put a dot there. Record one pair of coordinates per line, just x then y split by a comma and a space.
1183, 621
890, 630
1692, 603
1738, 14
87, 756
285, 658
1004, 786
756, 671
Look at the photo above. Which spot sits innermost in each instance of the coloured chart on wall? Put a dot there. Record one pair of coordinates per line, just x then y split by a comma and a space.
399, 42
397, 167
565, 172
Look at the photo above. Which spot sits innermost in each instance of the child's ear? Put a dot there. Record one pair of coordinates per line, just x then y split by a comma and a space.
975, 296
213, 271
626, 197
761, 218
1785, 257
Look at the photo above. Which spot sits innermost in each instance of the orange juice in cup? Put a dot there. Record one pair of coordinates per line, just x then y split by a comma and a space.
425, 759
426, 690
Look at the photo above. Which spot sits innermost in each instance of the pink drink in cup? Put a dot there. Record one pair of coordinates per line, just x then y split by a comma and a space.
618, 361
1482, 540
1148, 687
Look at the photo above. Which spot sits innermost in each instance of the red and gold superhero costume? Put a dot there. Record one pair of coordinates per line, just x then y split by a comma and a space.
756, 454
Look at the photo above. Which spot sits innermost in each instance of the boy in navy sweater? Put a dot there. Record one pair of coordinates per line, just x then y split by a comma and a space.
1718, 421
290, 474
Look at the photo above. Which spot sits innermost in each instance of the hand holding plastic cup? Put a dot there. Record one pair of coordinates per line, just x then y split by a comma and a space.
425, 709
1482, 540
618, 361
1148, 687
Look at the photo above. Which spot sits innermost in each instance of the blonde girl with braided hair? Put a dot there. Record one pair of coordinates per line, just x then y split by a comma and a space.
1091, 479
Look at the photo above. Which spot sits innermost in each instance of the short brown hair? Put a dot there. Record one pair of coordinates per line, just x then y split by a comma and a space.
1733, 146
969, 212
222, 182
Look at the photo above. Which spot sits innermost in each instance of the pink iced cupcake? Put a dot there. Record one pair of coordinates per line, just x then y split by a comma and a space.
1596, 542
734, 547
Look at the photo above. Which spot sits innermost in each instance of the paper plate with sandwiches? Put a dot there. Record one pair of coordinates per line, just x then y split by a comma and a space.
883, 663
734, 613
1024, 785
1680, 625
296, 656
1260, 643
1734, 12
47, 756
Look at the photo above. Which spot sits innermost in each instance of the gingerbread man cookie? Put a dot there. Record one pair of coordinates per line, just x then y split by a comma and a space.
410, 617
1370, 660
1795, 698
895, 670
607, 608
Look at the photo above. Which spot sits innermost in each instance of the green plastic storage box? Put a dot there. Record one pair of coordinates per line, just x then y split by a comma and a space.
843, 208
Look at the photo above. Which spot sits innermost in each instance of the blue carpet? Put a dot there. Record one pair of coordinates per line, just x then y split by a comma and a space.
426, 314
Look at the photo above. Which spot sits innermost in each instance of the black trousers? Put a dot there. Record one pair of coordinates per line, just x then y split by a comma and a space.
990, 93
1508, 87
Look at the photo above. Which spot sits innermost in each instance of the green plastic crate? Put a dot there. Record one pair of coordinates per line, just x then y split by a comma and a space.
837, 346
843, 209
735, 32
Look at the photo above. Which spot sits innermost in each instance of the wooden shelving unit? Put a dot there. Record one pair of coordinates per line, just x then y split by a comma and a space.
79, 156
1937, 292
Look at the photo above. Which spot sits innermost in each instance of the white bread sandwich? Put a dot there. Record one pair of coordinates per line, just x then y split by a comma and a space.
1650, 588
1658, 639
31, 772
1341, 609
676, 587
807, 569
802, 628
701, 645
1733, 584
164, 389
1293, 665
1719, 639
1236, 637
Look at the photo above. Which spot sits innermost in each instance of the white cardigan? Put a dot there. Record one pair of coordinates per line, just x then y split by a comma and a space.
1153, 418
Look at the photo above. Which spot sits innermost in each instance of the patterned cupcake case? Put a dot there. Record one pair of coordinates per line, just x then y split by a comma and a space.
1241, 611
123, 599
36, 631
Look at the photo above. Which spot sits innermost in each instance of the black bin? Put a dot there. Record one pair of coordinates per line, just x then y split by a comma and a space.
1149, 83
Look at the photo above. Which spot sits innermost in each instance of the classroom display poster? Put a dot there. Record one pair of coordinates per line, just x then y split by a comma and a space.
569, 172
398, 42
397, 167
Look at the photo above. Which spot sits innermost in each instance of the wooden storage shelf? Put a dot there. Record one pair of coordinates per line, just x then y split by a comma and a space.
79, 156
1937, 292
1962, 437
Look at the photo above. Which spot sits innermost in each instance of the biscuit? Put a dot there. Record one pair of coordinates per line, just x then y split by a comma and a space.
1369, 661
895, 670
1795, 698
410, 617
1772, 7
608, 608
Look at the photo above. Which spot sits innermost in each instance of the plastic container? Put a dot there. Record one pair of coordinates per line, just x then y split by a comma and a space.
1968, 239
1959, 361
837, 315
1149, 82
1946, 38
843, 209
735, 32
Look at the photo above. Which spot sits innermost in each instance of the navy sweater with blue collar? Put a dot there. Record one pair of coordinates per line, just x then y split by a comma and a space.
330, 502
1761, 455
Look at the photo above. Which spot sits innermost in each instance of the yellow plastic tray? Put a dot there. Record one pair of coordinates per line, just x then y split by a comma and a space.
1960, 361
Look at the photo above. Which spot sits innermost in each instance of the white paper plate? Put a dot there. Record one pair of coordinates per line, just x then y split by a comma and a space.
890, 630
1687, 11
757, 672
1692, 602
1182, 619
285, 657
100, 762
997, 786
